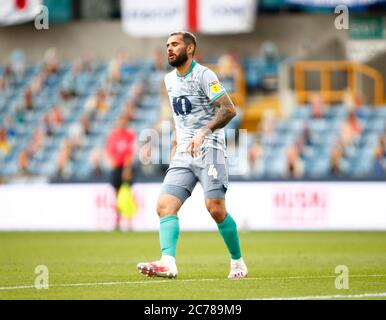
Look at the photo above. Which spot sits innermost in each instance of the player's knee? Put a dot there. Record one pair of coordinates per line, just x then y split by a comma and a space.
161, 209
164, 208
216, 210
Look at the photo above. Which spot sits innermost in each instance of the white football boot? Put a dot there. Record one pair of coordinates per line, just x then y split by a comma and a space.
239, 269
165, 267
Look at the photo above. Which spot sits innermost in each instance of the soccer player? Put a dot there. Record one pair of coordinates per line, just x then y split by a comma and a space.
201, 109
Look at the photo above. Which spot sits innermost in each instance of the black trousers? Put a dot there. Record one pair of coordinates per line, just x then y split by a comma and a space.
116, 178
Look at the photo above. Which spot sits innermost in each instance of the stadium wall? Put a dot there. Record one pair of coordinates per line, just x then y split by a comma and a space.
294, 34
254, 205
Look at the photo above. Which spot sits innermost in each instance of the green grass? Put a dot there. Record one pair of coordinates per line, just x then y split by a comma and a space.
272, 257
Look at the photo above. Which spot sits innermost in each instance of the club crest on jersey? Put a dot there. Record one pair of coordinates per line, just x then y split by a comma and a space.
182, 106
215, 86
193, 87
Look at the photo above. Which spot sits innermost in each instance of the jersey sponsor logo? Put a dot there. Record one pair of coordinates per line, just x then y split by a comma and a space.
215, 86
182, 106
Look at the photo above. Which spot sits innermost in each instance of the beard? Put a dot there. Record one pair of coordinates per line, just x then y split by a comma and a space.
179, 60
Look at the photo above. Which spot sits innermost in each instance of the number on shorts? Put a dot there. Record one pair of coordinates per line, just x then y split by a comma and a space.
212, 171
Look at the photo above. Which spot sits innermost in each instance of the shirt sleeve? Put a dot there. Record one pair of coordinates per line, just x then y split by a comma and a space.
212, 86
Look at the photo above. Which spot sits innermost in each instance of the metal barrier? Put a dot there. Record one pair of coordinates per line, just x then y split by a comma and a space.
325, 68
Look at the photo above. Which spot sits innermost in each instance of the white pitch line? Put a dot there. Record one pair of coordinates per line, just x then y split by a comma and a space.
336, 296
151, 281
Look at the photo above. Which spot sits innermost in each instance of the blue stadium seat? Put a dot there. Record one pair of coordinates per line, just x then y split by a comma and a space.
301, 112
317, 167
275, 167
336, 111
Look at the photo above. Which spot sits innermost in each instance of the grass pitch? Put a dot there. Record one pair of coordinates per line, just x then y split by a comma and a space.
281, 265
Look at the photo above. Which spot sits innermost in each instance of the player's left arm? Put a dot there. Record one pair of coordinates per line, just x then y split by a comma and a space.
225, 112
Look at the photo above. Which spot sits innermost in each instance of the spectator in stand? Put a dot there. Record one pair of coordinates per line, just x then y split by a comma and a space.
295, 166
353, 102
38, 82
125, 68
28, 103
351, 130
303, 142
227, 71
9, 127
96, 160
5, 146
20, 115
159, 61
88, 62
64, 160
4, 88
267, 127
23, 162
17, 64
65, 98
46, 126
317, 106
119, 68
80, 131
51, 61
129, 110
227, 66
138, 90
382, 145
56, 117
300, 145
9, 76
114, 74
255, 166
336, 158
379, 163
99, 104
120, 149
72, 82
36, 143
306, 134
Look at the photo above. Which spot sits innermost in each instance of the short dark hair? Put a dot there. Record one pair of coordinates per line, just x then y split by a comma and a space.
188, 37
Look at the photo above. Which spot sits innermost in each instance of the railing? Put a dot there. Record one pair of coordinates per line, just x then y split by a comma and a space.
325, 68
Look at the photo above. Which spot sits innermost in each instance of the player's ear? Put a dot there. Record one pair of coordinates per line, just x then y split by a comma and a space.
190, 49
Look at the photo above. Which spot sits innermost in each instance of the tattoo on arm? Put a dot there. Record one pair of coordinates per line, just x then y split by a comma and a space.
225, 112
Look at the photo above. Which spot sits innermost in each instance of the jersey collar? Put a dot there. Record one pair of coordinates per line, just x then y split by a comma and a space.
193, 64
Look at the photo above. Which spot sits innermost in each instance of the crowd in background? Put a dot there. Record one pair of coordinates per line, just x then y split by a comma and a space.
98, 104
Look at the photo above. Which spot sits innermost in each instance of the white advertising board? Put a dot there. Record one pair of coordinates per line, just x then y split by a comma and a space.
254, 206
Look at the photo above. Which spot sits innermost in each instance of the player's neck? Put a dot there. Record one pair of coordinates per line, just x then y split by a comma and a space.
183, 70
